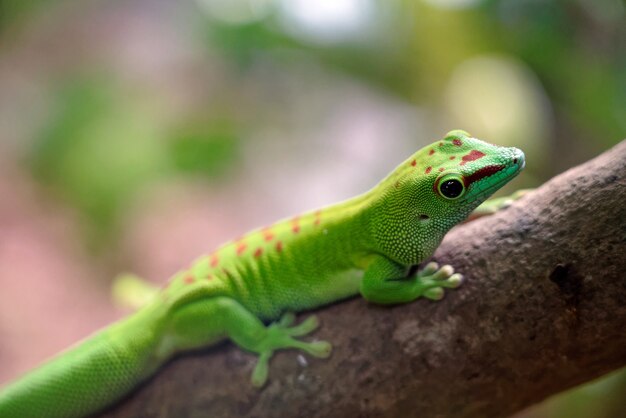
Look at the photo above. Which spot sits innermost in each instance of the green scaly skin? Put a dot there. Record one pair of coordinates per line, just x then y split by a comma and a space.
364, 245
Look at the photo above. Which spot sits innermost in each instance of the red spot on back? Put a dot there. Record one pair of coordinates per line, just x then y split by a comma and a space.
279, 246
209, 277
414, 163
453, 157
441, 169
441, 144
214, 260
428, 170
472, 156
258, 252
189, 279
457, 142
241, 247
295, 224
267, 235
431, 152
318, 217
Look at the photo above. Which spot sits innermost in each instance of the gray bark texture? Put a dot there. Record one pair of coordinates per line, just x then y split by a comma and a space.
543, 309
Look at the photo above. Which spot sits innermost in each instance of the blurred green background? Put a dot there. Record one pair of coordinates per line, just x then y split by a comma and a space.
137, 134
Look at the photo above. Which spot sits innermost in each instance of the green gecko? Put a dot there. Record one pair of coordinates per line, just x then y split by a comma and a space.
364, 245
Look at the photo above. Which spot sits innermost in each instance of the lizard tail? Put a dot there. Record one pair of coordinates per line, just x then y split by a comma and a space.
89, 376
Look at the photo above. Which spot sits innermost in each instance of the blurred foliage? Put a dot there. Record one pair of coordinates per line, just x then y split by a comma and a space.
12, 11
575, 47
205, 150
377, 63
73, 151
409, 50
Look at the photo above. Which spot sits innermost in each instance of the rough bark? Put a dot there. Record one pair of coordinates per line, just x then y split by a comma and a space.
543, 309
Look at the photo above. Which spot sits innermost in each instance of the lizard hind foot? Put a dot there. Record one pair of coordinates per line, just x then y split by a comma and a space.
319, 349
280, 335
261, 370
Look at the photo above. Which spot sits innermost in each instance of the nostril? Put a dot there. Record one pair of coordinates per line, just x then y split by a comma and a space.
514, 160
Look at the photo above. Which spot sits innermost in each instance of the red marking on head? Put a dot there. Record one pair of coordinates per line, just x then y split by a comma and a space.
472, 156
428, 170
258, 252
482, 173
453, 157
241, 248
457, 142
441, 169
267, 235
214, 260
295, 224
414, 163
318, 217
431, 152
279, 246
189, 279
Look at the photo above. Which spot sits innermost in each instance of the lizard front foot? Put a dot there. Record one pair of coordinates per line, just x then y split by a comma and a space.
432, 280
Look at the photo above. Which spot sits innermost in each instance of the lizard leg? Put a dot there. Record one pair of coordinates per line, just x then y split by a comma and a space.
208, 320
385, 282
131, 291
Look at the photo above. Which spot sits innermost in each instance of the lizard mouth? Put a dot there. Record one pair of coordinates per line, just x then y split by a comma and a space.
487, 171
503, 174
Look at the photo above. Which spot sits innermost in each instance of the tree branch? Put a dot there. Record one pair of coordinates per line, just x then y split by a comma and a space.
543, 309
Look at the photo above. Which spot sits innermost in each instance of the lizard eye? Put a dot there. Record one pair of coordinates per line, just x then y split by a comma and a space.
450, 187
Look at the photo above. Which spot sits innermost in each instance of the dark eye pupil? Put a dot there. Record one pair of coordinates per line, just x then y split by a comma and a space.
451, 188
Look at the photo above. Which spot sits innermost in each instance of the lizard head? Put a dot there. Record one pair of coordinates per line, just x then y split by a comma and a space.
441, 184
455, 175
461, 172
